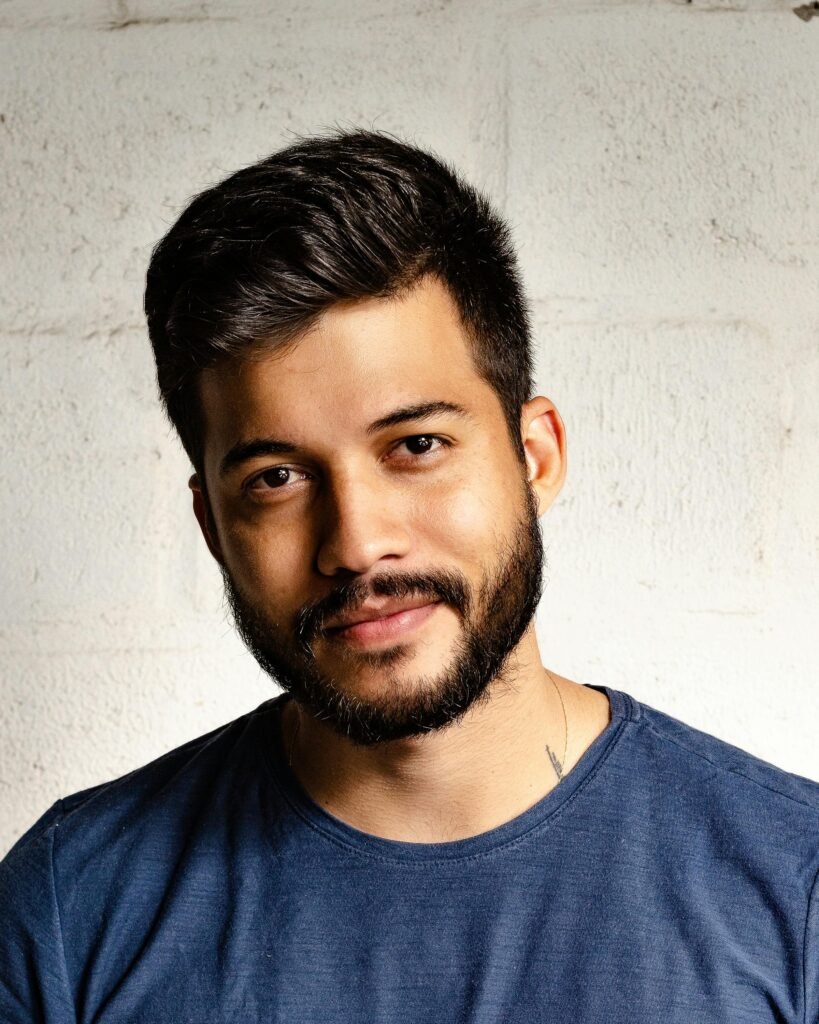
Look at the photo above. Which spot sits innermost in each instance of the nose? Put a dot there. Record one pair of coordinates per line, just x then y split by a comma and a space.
362, 523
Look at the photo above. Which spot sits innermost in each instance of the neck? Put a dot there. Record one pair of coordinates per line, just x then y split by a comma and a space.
502, 757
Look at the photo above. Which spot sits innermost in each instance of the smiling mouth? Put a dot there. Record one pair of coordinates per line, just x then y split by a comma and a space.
389, 627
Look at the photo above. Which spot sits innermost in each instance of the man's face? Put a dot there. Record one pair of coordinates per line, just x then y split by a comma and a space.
366, 473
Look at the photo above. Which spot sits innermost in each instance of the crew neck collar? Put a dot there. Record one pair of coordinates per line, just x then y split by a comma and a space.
541, 815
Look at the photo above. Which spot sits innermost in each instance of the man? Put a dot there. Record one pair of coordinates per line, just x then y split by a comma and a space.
427, 825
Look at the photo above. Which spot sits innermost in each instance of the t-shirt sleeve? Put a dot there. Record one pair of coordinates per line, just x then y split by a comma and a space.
34, 986
812, 957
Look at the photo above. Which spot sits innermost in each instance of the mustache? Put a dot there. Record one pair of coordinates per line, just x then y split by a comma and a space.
439, 585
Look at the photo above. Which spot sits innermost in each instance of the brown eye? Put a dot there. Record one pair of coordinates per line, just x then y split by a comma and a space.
422, 444
275, 477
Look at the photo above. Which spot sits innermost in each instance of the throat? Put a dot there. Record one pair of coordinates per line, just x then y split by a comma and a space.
492, 766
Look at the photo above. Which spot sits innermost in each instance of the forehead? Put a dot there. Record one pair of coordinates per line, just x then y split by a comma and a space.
360, 360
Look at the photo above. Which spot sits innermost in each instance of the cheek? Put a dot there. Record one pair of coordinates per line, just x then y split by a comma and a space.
462, 524
268, 565
483, 508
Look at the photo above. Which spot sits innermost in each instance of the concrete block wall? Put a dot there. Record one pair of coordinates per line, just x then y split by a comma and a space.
659, 164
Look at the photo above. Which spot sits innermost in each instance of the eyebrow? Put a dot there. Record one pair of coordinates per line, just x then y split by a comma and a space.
243, 451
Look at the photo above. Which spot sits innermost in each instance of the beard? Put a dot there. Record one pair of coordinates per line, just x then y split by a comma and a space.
494, 620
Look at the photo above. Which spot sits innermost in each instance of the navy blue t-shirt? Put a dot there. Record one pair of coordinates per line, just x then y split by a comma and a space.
669, 877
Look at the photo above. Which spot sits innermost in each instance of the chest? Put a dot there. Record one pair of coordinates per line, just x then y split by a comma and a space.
365, 942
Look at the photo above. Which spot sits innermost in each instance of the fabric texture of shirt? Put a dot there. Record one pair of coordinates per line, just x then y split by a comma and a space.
669, 877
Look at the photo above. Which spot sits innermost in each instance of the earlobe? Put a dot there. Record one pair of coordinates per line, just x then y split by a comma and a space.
544, 442
201, 509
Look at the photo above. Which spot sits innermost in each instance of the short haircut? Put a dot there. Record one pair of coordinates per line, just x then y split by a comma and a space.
253, 262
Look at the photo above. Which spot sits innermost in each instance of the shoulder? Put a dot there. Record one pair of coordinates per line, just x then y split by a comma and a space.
715, 795
729, 765
160, 794
99, 862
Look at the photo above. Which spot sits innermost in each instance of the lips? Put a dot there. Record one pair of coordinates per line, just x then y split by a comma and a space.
372, 611
392, 628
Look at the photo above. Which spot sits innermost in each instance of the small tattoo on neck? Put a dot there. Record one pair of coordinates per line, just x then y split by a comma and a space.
558, 767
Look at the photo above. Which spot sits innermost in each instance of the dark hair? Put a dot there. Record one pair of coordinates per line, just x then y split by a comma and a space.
255, 260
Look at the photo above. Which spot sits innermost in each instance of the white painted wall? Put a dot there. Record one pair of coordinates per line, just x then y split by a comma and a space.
659, 162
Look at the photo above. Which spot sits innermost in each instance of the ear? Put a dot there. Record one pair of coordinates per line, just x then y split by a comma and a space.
201, 509
544, 442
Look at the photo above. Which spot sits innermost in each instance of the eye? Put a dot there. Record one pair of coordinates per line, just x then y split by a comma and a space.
273, 479
424, 444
